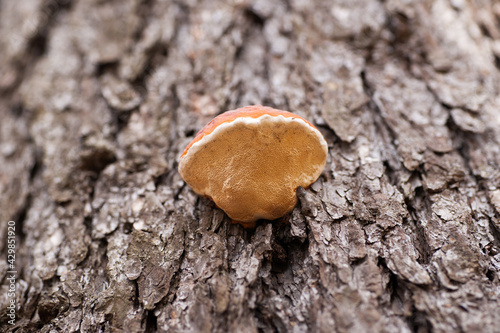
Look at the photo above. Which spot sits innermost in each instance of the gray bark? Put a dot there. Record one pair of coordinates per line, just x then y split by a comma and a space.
401, 233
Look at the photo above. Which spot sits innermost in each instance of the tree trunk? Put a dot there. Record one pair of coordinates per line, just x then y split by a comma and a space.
401, 233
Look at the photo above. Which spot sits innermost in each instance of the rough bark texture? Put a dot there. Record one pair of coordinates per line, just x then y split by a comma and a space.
400, 234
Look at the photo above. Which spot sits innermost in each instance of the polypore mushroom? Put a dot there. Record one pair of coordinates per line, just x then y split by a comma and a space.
251, 160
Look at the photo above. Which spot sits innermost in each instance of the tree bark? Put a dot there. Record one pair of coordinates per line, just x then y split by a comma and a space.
401, 233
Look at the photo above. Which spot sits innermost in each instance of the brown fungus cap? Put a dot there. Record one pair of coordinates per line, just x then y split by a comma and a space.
251, 160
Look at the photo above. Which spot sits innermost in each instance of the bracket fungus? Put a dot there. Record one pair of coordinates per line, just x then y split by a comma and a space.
251, 160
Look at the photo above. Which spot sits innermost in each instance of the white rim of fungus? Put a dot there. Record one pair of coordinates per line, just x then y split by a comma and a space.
250, 121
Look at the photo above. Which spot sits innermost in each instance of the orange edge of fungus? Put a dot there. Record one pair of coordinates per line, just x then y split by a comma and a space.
253, 111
